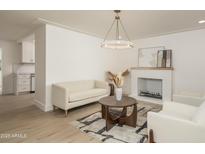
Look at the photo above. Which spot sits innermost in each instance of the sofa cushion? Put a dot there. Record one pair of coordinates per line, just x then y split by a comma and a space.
80, 95
175, 115
75, 86
199, 116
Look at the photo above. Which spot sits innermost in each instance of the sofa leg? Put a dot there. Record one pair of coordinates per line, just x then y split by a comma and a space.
66, 113
151, 136
54, 108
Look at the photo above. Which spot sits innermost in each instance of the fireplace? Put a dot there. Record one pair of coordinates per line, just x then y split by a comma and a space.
149, 87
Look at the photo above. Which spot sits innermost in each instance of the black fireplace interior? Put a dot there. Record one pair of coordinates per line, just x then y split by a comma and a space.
150, 94
148, 87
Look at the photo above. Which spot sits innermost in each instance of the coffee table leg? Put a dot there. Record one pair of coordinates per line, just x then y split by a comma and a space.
124, 112
130, 120
108, 119
103, 111
123, 116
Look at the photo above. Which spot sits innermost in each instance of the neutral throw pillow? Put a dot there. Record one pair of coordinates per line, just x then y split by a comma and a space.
199, 116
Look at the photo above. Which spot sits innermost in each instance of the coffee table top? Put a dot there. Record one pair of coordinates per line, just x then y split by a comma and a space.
112, 102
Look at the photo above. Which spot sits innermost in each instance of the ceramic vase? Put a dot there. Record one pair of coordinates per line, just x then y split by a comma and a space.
118, 94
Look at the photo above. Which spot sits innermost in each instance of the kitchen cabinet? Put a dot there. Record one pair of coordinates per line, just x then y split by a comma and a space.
28, 52
22, 83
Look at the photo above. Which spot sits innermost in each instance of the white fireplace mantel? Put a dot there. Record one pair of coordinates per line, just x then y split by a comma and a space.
163, 74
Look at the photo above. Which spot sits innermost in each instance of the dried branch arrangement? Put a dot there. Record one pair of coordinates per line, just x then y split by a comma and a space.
117, 79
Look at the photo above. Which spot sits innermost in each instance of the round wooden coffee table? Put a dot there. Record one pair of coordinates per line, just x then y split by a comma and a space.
112, 118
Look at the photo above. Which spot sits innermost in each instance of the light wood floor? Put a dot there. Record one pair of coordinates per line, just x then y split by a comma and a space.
20, 118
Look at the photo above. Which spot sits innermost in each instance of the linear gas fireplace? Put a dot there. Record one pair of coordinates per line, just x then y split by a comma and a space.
148, 87
150, 94
151, 85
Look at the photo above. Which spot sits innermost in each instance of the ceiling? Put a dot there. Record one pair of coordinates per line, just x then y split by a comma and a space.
139, 24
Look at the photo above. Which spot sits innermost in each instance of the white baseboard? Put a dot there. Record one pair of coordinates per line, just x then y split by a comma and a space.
190, 100
48, 108
40, 105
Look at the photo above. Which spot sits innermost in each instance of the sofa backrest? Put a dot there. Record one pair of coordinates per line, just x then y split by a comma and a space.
199, 116
75, 86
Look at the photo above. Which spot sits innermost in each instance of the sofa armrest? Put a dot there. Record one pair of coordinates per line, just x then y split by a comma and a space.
170, 129
180, 108
102, 84
60, 96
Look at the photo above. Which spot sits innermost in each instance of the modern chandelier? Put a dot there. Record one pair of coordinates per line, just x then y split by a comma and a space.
117, 42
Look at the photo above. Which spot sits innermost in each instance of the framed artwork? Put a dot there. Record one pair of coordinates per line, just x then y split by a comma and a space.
147, 57
164, 58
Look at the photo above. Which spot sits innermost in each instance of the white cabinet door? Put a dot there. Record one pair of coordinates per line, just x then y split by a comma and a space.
23, 88
28, 52
22, 83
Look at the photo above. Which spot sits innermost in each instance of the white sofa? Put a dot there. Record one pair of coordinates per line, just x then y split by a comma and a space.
68, 95
177, 122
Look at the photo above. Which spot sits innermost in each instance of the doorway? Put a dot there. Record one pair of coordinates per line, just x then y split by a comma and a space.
1, 82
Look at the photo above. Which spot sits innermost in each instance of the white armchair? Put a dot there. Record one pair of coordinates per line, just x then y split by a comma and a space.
177, 122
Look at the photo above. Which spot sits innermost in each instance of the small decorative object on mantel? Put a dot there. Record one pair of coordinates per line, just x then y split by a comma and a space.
164, 58
118, 81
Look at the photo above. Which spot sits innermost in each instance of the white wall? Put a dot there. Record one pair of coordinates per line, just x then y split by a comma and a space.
69, 56
74, 56
40, 67
125, 60
10, 55
64, 55
188, 60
